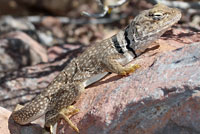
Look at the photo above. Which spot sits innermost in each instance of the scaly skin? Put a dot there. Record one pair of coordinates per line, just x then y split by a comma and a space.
110, 55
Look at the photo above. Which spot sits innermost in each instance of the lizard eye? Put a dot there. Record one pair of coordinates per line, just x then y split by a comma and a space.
156, 15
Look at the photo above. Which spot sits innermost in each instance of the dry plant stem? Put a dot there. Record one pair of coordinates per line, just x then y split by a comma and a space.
105, 8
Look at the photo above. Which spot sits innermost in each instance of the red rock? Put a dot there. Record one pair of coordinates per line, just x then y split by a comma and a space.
19, 50
55, 52
36, 48
161, 99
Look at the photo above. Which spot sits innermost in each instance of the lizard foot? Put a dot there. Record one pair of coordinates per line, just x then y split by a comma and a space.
66, 113
129, 69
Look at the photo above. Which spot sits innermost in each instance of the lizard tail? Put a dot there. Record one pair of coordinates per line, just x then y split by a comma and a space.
31, 111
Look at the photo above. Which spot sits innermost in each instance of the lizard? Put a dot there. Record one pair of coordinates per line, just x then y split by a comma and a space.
98, 60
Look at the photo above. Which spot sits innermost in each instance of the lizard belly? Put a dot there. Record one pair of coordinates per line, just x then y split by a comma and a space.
94, 78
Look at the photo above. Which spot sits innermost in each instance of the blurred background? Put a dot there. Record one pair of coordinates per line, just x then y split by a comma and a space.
64, 19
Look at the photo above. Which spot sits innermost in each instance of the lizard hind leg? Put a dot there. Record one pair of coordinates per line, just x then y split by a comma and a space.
63, 108
66, 113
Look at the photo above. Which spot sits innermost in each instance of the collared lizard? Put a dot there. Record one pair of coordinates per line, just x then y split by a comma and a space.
110, 55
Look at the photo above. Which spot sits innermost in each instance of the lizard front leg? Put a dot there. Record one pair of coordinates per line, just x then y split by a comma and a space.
112, 64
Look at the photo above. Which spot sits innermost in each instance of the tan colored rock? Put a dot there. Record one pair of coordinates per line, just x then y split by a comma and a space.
8, 126
4, 116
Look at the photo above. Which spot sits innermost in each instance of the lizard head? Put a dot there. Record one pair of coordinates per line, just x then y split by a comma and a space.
149, 25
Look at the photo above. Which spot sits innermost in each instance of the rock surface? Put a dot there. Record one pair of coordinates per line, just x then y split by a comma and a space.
160, 99
154, 99
18, 50
4, 116
7, 125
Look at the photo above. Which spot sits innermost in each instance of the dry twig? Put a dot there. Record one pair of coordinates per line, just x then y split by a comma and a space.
105, 8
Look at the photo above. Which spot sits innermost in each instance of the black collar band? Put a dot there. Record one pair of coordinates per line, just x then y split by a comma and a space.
129, 42
117, 45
